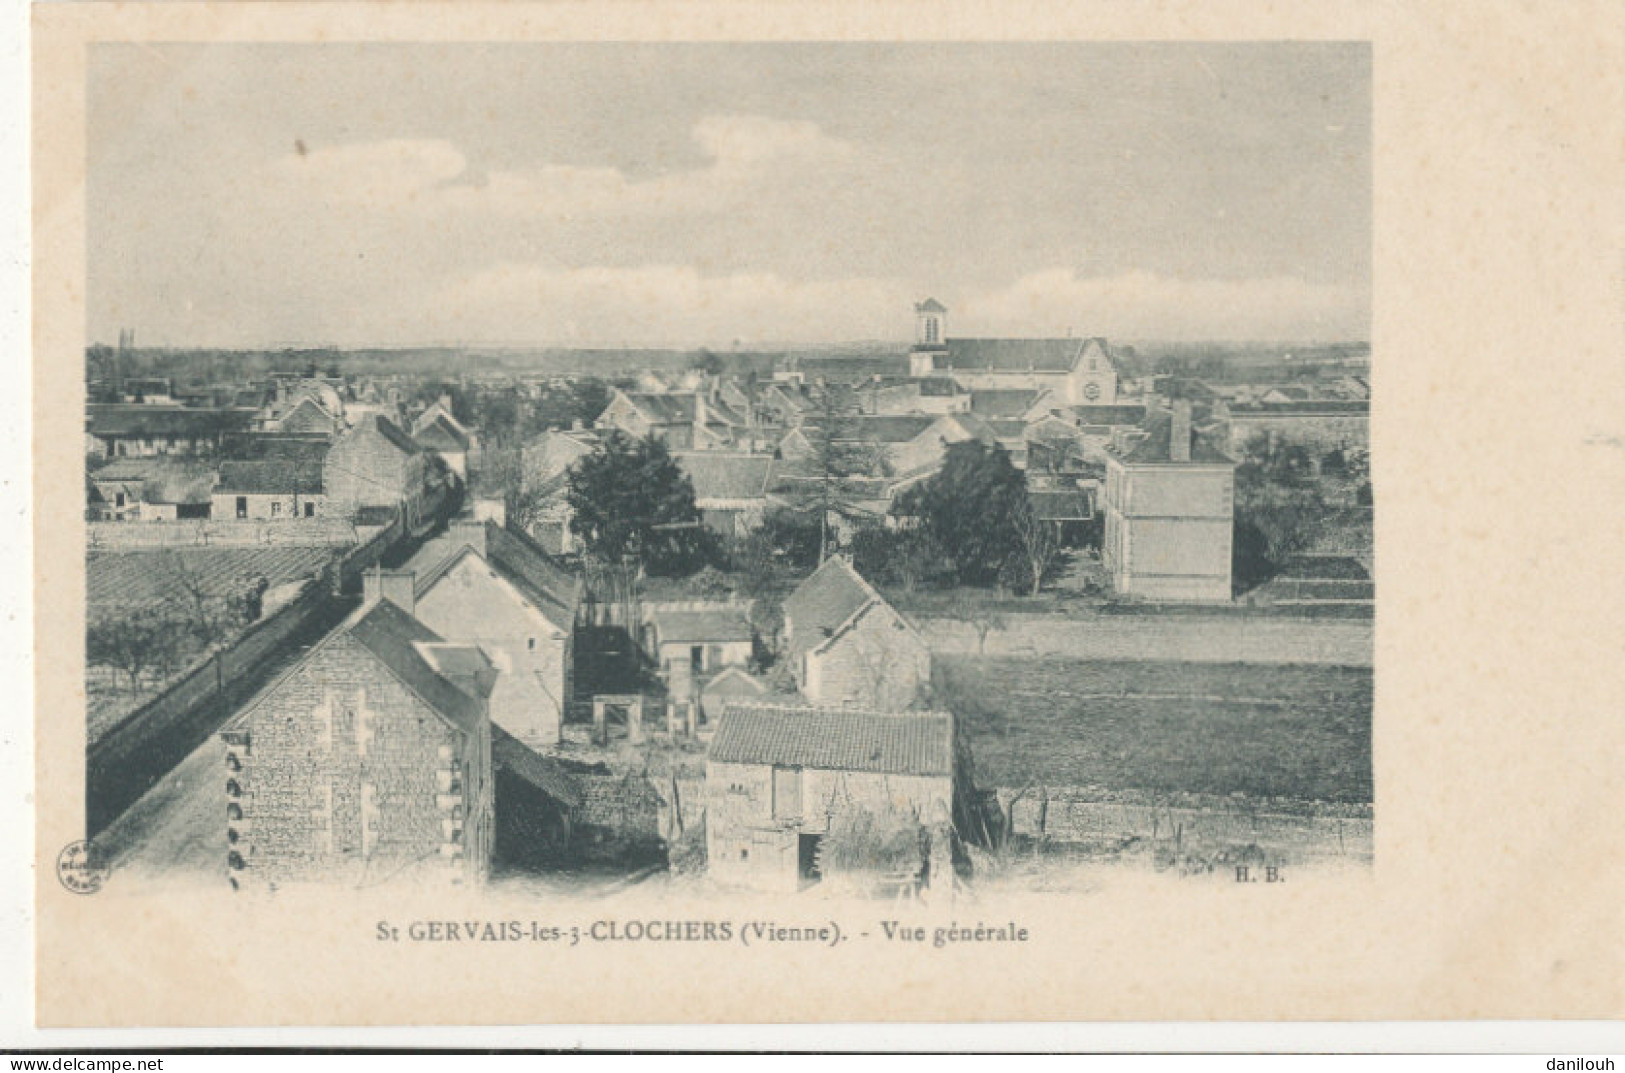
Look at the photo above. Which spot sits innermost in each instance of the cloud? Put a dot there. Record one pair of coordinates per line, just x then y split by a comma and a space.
1146, 305
661, 305
745, 154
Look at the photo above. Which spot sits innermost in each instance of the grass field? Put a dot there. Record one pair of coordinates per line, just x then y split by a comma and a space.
1299, 732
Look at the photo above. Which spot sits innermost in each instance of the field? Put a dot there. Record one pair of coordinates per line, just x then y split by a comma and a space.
1265, 731
144, 577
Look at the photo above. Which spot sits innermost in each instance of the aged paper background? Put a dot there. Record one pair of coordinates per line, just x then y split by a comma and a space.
1499, 459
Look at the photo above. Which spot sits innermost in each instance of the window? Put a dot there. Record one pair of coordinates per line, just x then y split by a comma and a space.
310, 510
744, 854
242, 506
531, 644
276, 508
118, 500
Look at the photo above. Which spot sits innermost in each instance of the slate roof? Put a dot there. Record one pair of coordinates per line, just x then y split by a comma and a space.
889, 428
270, 477
939, 387
726, 475
1109, 415
930, 305
662, 409
835, 739
1323, 407
555, 591
441, 435
823, 602
510, 754
139, 421
1010, 355
391, 636
1153, 447
1004, 402
289, 446
162, 478
389, 430
697, 627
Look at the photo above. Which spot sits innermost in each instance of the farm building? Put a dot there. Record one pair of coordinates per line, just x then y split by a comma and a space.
847, 645
121, 431
369, 760
703, 639
153, 488
778, 779
269, 490
730, 488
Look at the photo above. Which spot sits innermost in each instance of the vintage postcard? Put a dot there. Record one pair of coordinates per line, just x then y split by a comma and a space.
826, 513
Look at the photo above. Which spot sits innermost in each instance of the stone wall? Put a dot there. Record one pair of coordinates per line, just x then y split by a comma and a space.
345, 775
880, 663
303, 532
133, 755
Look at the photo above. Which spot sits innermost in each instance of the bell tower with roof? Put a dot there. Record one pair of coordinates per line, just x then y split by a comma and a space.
930, 337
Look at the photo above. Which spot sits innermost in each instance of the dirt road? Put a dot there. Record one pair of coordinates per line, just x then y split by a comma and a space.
1191, 638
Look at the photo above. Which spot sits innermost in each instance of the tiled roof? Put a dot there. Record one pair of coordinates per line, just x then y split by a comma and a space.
823, 602
939, 386
392, 635
725, 475
270, 477
835, 739
287, 446
679, 627
510, 754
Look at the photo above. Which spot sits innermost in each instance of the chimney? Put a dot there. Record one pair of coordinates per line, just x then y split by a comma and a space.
471, 533
702, 417
1179, 432
445, 403
399, 587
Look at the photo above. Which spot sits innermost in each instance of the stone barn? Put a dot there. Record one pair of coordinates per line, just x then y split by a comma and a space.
777, 778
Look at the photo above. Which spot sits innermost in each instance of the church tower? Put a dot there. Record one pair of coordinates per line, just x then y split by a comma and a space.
930, 337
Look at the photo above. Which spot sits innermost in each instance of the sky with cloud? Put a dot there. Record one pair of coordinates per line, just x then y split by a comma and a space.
622, 194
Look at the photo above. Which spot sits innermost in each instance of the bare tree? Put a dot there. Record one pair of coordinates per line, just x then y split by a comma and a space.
1039, 542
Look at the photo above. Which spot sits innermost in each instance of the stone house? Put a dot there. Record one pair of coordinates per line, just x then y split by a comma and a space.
545, 466
703, 640
776, 778
846, 645
160, 488
370, 760
482, 584
1169, 506
730, 488
731, 685
375, 464
269, 490
688, 420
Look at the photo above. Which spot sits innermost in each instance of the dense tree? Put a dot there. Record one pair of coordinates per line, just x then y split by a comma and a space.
632, 501
968, 510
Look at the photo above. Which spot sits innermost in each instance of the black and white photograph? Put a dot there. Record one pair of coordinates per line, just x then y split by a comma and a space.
909, 472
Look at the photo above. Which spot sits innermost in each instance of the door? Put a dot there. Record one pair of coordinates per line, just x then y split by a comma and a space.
787, 793
807, 854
